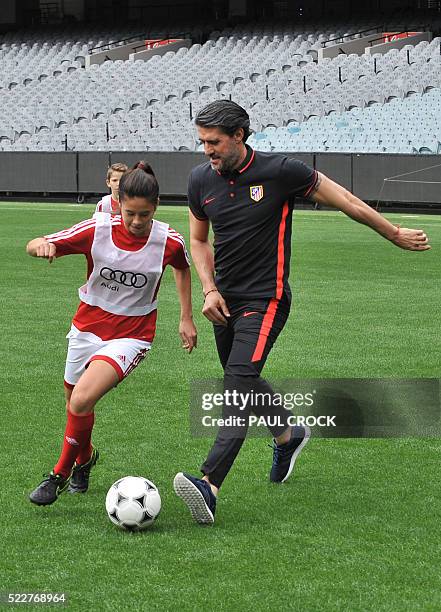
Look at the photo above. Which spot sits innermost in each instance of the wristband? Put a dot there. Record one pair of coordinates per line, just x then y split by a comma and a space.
211, 291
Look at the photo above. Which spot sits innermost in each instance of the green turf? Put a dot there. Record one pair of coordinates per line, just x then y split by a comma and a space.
356, 529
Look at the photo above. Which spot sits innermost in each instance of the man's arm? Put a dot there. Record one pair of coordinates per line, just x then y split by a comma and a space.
202, 252
215, 308
331, 194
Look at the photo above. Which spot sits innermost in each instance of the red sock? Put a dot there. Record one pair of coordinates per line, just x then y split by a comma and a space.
76, 436
85, 453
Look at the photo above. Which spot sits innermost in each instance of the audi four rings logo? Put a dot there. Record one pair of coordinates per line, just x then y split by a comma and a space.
128, 279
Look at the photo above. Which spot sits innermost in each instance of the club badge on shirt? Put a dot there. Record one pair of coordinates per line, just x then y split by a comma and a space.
256, 192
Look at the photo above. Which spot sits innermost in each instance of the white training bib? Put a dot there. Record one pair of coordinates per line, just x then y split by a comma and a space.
104, 205
124, 282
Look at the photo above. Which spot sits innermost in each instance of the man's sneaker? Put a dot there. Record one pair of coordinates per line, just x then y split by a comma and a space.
79, 482
49, 489
198, 497
285, 455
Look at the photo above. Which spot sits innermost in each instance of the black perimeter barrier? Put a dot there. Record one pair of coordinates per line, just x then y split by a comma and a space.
403, 179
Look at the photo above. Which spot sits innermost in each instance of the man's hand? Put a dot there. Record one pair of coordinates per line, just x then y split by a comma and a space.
411, 239
215, 308
189, 334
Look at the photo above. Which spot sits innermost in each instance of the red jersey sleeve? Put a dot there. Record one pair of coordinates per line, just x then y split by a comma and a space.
175, 251
75, 240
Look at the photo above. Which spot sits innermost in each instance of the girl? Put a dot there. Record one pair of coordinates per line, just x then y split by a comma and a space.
114, 325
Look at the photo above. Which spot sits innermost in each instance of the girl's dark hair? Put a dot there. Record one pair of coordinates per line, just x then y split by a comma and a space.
139, 182
226, 115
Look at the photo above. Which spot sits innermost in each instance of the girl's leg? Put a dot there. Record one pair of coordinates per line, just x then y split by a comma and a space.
67, 394
99, 378
85, 454
108, 363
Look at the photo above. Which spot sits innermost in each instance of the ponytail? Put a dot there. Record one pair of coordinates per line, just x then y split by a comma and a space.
139, 182
143, 165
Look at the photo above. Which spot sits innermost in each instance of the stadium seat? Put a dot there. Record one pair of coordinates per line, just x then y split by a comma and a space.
271, 69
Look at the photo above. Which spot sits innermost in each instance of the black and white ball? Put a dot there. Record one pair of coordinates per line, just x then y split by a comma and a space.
133, 503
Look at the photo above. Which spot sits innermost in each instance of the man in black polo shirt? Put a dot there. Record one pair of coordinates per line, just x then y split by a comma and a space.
248, 198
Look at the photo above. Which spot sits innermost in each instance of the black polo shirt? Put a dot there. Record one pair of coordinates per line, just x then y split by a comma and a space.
250, 211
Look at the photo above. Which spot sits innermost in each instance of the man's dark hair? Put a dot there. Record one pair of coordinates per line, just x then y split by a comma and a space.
225, 115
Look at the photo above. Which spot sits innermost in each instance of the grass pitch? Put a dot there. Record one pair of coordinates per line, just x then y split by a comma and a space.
356, 527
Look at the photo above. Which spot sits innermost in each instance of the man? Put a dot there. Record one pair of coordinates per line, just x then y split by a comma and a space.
248, 197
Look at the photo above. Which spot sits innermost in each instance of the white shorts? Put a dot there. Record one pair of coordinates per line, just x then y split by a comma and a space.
124, 354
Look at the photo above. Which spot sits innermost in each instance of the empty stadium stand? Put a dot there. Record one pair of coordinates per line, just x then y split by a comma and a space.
373, 102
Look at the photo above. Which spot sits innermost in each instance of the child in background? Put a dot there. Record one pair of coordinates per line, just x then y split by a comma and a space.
110, 203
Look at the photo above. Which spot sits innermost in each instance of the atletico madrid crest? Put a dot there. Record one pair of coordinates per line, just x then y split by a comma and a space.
256, 193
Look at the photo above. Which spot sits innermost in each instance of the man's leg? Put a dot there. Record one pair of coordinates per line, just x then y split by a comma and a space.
288, 441
240, 376
256, 327
199, 494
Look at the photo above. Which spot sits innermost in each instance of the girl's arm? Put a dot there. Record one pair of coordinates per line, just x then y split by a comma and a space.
187, 329
40, 247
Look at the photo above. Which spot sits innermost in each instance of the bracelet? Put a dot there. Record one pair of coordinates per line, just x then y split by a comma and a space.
211, 291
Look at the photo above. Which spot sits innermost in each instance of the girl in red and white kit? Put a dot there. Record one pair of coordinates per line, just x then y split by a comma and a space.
114, 325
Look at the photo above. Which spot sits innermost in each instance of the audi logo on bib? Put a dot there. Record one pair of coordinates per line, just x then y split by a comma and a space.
128, 279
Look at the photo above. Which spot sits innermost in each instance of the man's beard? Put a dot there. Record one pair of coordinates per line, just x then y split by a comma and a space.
229, 164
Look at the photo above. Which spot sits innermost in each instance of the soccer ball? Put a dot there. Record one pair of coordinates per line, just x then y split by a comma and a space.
133, 503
